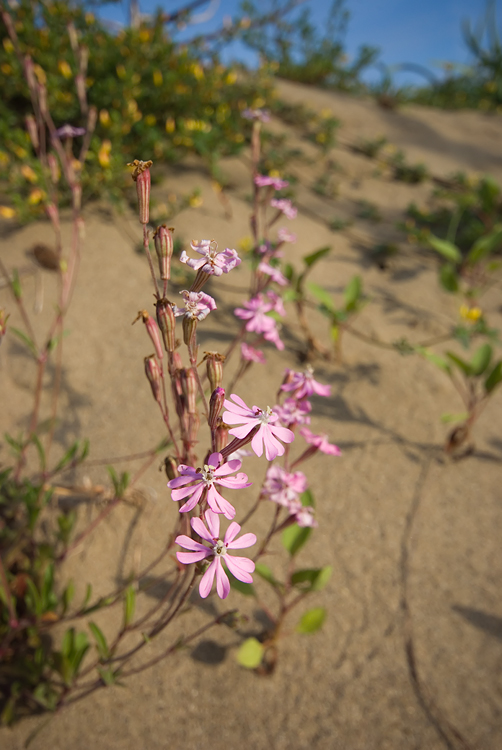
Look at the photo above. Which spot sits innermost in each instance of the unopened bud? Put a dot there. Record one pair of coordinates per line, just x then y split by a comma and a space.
152, 330
190, 388
32, 129
215, 407
189, 331
141, 176
154, 375
163, 239
214, 368
238, 443
220, 436
193, 428
80, 86
171, 467
167, 323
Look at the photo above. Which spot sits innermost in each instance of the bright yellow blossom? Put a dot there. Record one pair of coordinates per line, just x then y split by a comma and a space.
471, 314
36, 196
29, 174
64, 69
104, 153
6, 212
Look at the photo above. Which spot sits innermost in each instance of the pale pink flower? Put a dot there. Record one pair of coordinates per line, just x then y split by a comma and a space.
304, 514
304, 385
262, 180
250, 354
320, 442
240, 567
276, 302
283, 487
197, 305
212, 262
264, 248
255, 312
268, 434
284, 206
205, 479
284, 235
274, 273
263, 115
293, 412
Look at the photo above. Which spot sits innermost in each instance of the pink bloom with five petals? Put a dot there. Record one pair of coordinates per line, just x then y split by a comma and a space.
212, 262
205, 479
197, 305
250, 354
320, 442
240, 567
284, 206
267, 436
262, 180
274, 273
304, 385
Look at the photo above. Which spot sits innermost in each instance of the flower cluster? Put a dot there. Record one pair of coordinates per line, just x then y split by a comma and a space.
285, 488
256, 310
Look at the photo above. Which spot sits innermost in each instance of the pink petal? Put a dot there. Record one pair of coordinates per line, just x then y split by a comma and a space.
240, 403
206, 583
218, 504
188, 543
235, 483
246, 540
184, 492
273, 447
240, 567
214, 459
213, 523
200, 529
222, 582
231, 532
189, 505
287, 436
240, 432
185, 479
229, 467
257, 442
187, 558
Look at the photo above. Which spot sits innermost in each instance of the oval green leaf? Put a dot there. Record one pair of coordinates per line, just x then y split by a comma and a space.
250, 653
312, 620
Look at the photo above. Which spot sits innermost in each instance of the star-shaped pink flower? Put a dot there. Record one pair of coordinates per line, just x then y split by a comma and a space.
212, 262
197, 305
320, 442
267, 436
303, 384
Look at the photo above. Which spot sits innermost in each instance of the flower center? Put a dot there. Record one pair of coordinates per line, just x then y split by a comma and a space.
264, 416
219, 548
207, 474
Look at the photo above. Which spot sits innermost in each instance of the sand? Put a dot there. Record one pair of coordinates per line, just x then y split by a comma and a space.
410, 655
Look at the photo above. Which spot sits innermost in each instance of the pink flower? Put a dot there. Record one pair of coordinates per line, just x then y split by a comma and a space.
240, 567
293, 412
268, 434
211, 262
274, 273
320, 442
262, 180
282, 487
284, 235
205, 479
276, 302
304, 385
285, 206
255, 312
263, 115
304, 514
250, 354
197, 305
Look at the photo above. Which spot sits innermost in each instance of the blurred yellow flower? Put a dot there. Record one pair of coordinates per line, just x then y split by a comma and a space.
150, 120
104, 118
238, 138
4, 158
36, 196
20, 152
40, 74
135, 78
157, 78
245, 244
64, 69
144, 35
104, 153
89, 18
195, 201
7, 45
6, 212
6, 69
258, 103
245, 23
121, 71
197, 70
77, 165
170, 125
231, 77
29, 174
471, 314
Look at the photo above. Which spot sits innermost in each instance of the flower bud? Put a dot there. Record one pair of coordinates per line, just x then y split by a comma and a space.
238, 443
214, 368
215, 407
189, 331
220, 436
171, 467
152, 330
190, 388
154, 375
167, 323
141, 176
193, 428
163, 239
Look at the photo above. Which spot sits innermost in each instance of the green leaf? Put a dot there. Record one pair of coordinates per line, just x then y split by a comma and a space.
264, 572
312, 579
107, 675
26, 340
307, 499
68, 595
485, 245
119, 483
352, 292
129, 605
101, 644
250, 653
16, 285
321, 295
244, 588
494, 377
448, 278
460, 363
454, 417
290, 295
481, 359
312, 620
309, 260
294, 537
447, 249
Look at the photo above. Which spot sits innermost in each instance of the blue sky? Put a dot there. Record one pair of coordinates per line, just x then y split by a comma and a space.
426, 32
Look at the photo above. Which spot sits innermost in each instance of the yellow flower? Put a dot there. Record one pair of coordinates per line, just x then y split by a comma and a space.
104, 153
6, 212
6, 69
197, 70
170, 125
4, 158
36, 196
64, 69
7, 45
144, 35
471, 314
77, 165
231, 77
20, 152
195, 201
40, 74
121, 71
104, 118
157, 78
29, 174
245, 244
150, 120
